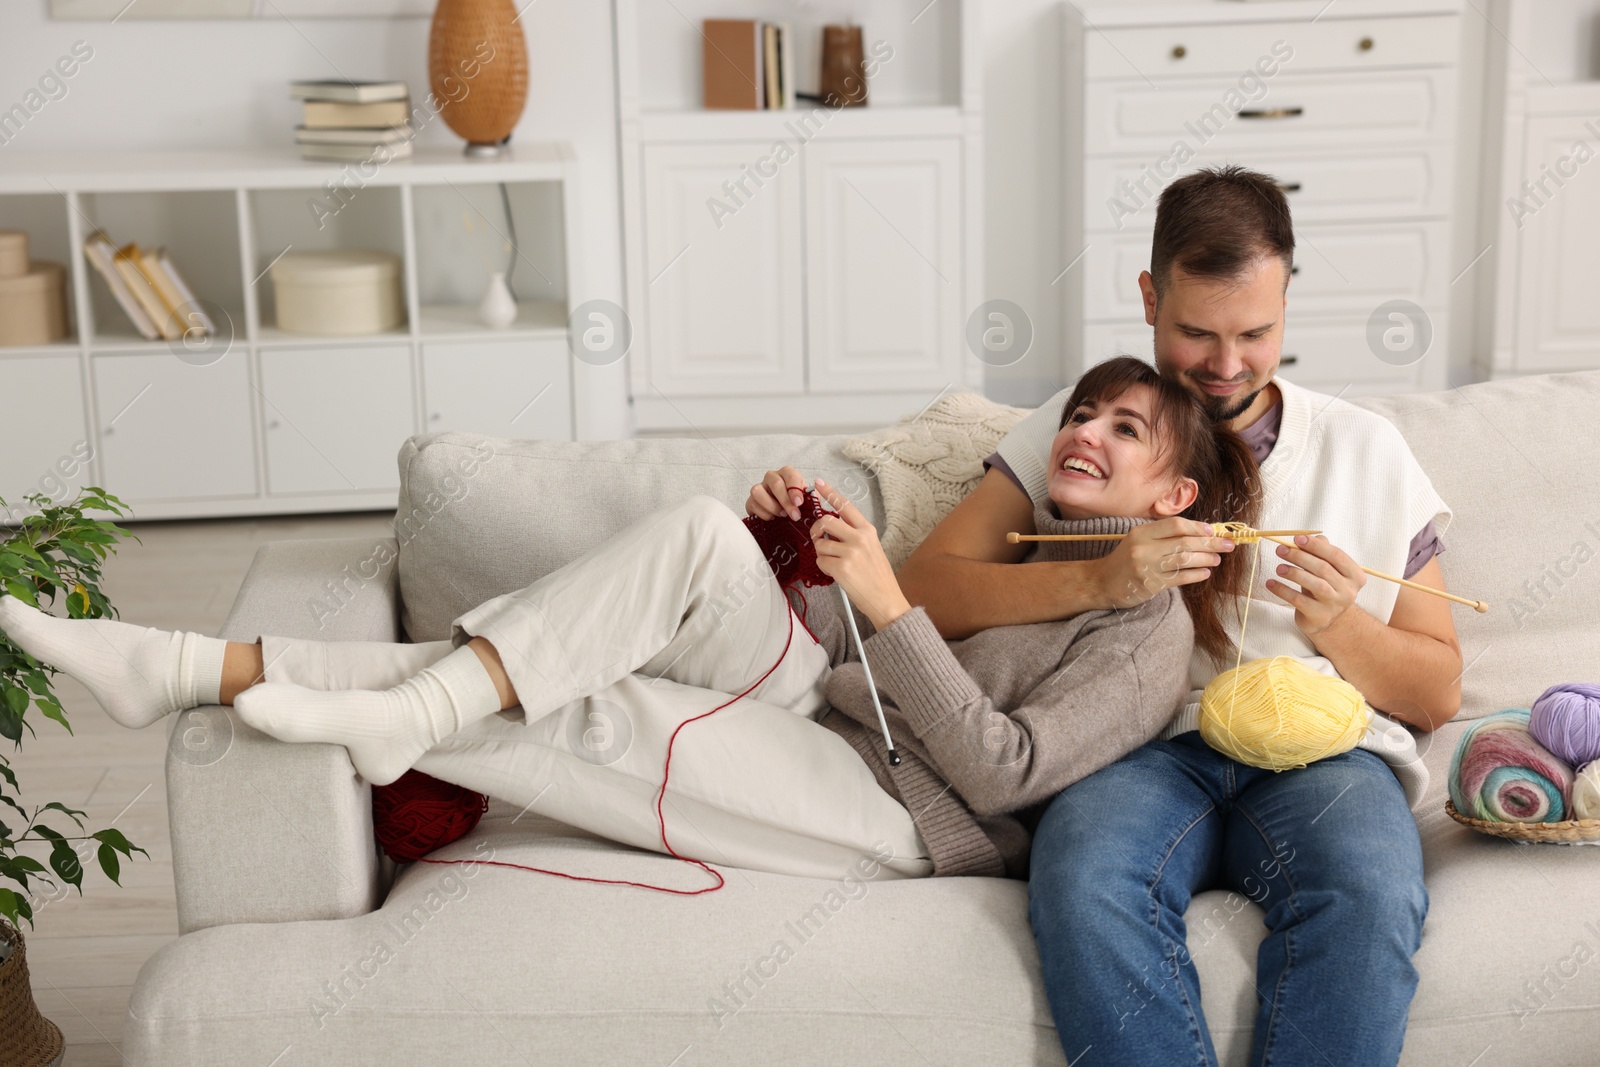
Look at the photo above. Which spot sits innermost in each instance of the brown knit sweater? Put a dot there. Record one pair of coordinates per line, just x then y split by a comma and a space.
991, 727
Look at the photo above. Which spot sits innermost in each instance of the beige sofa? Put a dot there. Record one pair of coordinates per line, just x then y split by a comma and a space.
301, 945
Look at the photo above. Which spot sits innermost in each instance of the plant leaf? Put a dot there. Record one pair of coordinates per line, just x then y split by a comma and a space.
109, 863
12, 905
115, 839
64, 861
72, 813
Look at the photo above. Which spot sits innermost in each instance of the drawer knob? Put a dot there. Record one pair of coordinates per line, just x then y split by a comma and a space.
1289, 187
109, 430
1286, 361
435, 417
1178, 51
1272, 113
273, 425
1294, 270
1366, 44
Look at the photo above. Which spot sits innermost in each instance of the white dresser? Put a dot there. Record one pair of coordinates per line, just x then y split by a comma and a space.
1538, 313
1350, 106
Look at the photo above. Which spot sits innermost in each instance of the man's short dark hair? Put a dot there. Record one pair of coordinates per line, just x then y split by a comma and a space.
1218, 221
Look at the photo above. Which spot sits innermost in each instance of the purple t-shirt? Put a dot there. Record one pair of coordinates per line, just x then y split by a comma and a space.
1261, 435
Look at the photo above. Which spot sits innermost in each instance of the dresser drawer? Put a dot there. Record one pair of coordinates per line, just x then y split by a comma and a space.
1381, 107
1322, 186
1342, 268
1328, 44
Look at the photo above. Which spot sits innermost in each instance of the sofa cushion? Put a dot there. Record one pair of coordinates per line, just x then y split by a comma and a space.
927, 463
480, 516
1517, 461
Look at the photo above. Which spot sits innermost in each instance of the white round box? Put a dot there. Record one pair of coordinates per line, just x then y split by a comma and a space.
338, 293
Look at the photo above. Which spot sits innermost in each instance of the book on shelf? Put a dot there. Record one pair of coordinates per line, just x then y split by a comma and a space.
332, 115
349, 92
148, 287
144, 291
747, 64
103, 254
391, 135
355, 153
193, 311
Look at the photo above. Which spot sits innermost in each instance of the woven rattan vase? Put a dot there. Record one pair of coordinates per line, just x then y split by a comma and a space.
478, 70
27, 1039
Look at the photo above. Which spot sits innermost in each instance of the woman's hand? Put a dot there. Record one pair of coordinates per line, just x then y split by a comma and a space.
1158, 555
848, 552
778, 493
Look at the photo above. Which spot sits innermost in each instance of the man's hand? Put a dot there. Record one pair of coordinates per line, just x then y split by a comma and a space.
1158, 555
778, 493
848, 552
1328, 579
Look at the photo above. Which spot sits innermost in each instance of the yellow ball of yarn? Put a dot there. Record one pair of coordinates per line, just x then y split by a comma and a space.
1278, 713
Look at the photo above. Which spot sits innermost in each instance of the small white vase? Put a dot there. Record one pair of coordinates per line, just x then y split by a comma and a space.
497, 309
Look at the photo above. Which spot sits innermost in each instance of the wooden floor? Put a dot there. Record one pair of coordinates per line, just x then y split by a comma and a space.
84, 952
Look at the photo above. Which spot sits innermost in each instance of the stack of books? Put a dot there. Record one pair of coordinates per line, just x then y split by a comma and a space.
351, 122
158, 301
748, 65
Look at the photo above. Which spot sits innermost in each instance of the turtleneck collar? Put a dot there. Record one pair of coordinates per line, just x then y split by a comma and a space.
1046, 521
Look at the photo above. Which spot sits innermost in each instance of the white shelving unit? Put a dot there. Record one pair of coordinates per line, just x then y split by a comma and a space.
835, 288
1352, 107
262, 421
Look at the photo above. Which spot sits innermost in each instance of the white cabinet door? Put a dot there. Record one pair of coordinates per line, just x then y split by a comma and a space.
335, 417
170, 430
43, 448
1558, 316
499, 388
722, 299
883, 264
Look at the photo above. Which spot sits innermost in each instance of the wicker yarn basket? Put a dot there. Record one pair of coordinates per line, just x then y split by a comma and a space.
1569, 832
478, 69
27, 1039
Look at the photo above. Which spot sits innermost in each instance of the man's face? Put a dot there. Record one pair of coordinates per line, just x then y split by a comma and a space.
1220, 339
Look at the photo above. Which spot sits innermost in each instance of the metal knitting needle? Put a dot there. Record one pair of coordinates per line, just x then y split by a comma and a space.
850, 617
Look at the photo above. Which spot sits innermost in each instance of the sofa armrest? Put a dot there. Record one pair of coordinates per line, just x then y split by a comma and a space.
264, 831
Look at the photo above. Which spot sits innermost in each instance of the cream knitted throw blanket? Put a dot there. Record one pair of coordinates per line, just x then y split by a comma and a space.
926, 463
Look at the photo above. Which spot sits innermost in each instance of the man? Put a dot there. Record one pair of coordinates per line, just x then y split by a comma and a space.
1330, 851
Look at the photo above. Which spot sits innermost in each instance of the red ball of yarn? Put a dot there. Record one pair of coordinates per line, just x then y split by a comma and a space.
787, 543
418, 813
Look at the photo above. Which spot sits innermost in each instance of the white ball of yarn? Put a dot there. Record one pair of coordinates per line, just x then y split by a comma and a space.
1586, 791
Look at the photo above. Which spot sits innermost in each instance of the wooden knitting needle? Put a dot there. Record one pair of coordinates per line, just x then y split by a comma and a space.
1480, 606
1014, 538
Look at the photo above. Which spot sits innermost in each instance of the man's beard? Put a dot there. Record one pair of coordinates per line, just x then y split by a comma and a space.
1227, 408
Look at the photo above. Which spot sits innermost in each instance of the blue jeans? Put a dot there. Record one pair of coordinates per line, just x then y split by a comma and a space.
1330, 851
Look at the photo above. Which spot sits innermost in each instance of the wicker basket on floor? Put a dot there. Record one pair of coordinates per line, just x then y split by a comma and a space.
27, 1039
1568, 832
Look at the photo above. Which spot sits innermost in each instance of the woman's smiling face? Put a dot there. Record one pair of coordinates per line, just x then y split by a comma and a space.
1105, 461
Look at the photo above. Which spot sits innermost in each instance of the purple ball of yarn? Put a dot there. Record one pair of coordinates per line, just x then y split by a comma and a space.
1566, 720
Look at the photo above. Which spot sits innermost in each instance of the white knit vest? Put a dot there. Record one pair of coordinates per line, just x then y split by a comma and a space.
1336, 468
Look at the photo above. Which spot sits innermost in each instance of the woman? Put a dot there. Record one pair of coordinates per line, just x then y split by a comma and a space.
678, 619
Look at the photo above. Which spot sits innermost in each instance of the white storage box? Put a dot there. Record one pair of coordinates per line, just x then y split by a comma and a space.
335, 294
33, 306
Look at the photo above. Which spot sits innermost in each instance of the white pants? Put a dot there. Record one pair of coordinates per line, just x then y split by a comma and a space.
612, 653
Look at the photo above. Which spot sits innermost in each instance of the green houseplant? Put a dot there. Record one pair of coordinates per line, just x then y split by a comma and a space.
52, 554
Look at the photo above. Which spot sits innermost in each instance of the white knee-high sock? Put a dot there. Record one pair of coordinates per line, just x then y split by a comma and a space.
137, 673
386, 731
